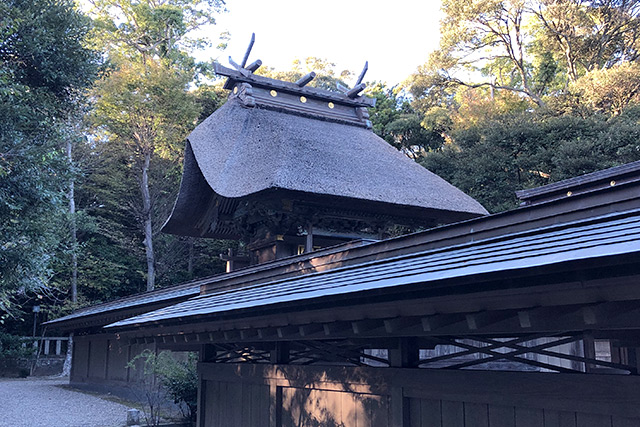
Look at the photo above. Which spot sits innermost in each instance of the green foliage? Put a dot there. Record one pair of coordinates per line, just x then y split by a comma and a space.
180, 379
44, 66
144, 110
394, 120
12, 350
166, 374
528, 93
492, 159
142, 30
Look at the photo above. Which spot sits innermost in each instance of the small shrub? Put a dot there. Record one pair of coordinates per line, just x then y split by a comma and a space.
166, 378
14, 349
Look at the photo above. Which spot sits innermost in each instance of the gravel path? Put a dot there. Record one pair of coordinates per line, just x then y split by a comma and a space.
39, 402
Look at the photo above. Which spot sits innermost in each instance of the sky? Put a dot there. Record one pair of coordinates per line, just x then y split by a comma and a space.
395, 36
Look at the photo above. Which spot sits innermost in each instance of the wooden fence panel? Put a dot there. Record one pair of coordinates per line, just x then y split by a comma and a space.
476, 415
502, 416
293, 396
452, 414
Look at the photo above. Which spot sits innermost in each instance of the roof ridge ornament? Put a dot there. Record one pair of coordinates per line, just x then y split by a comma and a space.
347, 105
358, 87
243, 68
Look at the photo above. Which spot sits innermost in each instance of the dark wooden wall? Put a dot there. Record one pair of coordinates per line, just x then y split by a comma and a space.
101, 360
281, 395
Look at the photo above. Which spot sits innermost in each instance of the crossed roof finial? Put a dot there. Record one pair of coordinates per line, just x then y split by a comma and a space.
246, 70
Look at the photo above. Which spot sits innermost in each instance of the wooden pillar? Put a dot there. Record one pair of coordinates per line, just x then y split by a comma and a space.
207, 354
407, 355
275, 406
399, 408
589, 350
230, 260
280, 355
308, 246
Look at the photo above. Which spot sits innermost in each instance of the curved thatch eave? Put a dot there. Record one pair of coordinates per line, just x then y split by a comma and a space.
240, 151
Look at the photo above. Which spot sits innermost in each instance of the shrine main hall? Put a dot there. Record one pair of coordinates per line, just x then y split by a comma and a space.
529, 317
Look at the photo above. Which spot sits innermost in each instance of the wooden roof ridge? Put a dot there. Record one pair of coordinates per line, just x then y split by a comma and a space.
256, 91
347, 106
235, 76
581, 184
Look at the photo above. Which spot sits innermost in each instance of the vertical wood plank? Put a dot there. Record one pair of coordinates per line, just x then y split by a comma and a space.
415, 412
502, 416
551, 418
255, 401
347, 409
235, 404
380, 412
223, 409
431, 413
559, 418
398, 407
87, 374
567, 419
452, 414
212, 399
374, 408
275, 406
247, 404
592, 420
362, 416
201, 420
529, 417
288, 410
625, 422
476, 415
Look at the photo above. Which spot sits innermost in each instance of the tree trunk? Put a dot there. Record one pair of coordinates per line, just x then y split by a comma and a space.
66, 368
74, 231
146, 216
191, 256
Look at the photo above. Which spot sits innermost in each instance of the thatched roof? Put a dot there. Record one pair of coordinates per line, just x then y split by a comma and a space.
264, 140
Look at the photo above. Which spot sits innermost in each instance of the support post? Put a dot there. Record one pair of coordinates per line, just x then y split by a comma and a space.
589, 350
230, 260
207, 354
407, 355
280, 355
308, 247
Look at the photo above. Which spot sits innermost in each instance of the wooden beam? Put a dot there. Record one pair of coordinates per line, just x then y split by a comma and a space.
288, 332
364, 326
438, 321
398, 324
310, 330
483, 319
524, 319
306, 79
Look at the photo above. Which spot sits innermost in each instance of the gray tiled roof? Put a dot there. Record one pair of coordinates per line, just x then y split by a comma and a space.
184, 290
192, 288
607, 235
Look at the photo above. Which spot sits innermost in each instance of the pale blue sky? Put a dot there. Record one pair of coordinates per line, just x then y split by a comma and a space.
394, 36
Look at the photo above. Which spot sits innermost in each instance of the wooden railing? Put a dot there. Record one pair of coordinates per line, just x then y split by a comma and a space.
49, 346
